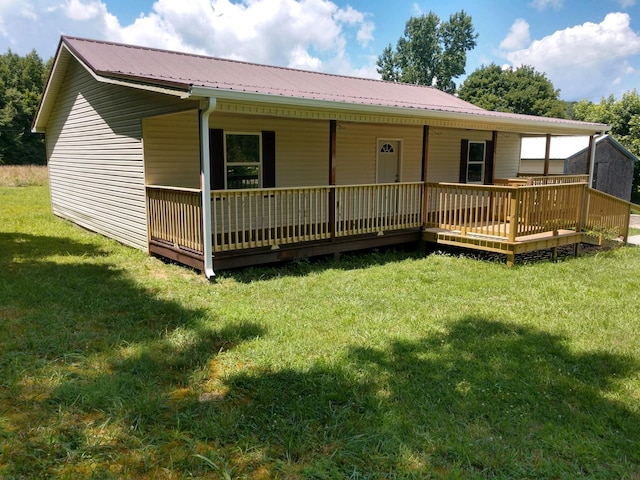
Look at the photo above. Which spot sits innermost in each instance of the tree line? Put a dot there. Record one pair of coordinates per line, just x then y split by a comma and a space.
430, 52
22, 80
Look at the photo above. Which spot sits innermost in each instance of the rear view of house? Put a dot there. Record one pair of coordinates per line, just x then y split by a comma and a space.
217, 163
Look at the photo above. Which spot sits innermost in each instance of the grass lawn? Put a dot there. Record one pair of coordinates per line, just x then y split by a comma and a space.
380, 365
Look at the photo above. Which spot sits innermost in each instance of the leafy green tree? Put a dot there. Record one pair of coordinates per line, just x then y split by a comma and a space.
430, 52
22, 80
521, 90
624, 117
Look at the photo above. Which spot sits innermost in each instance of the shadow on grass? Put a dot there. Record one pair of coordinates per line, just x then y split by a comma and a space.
484, 400
81, 341
306, 266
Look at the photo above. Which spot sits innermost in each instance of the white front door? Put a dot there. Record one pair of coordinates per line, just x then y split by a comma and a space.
388, 161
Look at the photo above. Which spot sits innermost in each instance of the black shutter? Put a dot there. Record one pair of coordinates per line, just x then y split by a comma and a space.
464, 156
268, 159
488, 163
216, 158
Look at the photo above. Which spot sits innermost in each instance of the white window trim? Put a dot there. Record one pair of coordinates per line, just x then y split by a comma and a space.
241, 164
381, 141
483, 162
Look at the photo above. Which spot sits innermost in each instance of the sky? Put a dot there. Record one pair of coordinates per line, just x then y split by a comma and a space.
589, 49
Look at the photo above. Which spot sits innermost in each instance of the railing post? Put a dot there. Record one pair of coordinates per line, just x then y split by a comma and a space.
514, 214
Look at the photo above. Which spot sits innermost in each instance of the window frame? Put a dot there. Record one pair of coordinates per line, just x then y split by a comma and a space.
228, 164
482, 162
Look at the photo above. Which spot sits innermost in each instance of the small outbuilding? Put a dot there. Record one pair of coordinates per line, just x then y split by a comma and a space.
613, 163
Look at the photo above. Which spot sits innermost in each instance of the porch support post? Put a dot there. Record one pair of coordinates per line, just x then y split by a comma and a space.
592, 159
547, 155
333, 127
423, 176
207, 107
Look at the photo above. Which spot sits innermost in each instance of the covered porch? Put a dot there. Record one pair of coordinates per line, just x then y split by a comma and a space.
254, 226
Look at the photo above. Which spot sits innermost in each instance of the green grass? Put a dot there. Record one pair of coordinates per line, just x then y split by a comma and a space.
634, 231
380, 365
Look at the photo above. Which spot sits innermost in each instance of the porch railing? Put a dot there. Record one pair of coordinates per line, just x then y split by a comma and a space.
175, 217
556, 179
606, 215
244, 219
254, 218
513, 212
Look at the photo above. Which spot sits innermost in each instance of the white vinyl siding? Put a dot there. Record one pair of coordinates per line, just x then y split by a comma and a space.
95, 154
172, 150
357, 150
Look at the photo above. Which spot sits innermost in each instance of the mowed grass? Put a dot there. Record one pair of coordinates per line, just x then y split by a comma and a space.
379, 365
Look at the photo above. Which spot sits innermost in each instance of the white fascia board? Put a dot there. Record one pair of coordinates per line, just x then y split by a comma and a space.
586, 129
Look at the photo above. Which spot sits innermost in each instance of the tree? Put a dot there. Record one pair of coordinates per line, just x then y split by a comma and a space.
624, 117
430, 52
521, 90
21, 83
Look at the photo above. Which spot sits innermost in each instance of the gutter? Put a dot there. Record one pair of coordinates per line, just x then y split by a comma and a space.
208, 106
483, 116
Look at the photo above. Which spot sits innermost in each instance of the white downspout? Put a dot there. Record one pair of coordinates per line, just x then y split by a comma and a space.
205, 183
592, 159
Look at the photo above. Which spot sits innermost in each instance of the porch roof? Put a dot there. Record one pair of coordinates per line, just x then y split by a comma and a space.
190, 75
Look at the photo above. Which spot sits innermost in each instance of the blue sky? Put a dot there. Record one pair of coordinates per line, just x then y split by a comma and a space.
588, 48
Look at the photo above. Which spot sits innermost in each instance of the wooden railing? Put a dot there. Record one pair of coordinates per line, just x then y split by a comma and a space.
175, 217
268, 217
469, 209
378, 208
606, 215
547, 208
244, 219
557, 179
278, 216
515, 212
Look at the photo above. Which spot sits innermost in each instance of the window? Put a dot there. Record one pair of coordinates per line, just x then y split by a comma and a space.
243, 162
386, 148
476, 162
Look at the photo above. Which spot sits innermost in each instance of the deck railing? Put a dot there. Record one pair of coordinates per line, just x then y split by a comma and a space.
266, 217
504, 212
469, 209
175, 217
271, 217
245, 219
606, 215
556, 179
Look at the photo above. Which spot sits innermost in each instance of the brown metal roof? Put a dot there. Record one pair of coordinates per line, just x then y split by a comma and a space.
186, 72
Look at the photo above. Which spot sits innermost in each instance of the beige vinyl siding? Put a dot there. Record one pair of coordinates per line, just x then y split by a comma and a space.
507, 156
302, 146
356, 151
444, 152
95, 154
172, 150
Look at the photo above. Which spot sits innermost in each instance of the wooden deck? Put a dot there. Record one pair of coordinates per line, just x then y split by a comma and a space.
266, 225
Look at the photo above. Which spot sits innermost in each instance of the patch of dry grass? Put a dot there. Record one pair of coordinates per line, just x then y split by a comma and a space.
23, 175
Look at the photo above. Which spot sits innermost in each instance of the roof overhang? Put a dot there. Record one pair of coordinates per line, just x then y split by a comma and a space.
55, 81
482, 119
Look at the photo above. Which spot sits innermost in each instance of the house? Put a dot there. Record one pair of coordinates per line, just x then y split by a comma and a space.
218, 163
613, 164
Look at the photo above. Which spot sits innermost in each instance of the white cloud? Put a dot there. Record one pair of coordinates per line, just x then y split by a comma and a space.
518, 36
544, 4
584, 59
311, 34
626, 3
